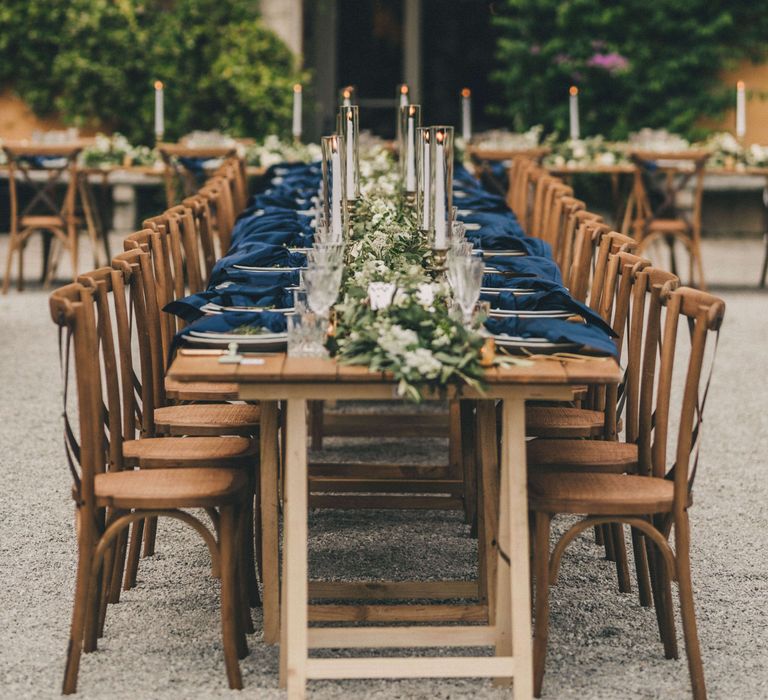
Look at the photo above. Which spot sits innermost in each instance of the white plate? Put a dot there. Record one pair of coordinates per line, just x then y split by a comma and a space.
522, 313
233, 336
522, 292
250, 342
251, 268
504, 253
533, 345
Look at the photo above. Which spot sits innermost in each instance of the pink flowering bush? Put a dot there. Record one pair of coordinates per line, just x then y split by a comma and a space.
636, 63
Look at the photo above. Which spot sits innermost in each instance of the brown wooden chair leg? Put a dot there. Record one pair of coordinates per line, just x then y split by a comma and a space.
134, 552
150, 537
662, 600
610, 554
12, 244
687, 610
599, 536
77, 628
93, 606
541, 603
229, 598
620, 551
641, 568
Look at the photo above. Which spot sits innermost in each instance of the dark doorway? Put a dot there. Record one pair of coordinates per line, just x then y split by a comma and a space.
370, 57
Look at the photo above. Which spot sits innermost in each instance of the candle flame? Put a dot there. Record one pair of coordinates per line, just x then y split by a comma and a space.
412, 110
347, 93
574, 90
403, 89
439, 136
297, 87
466, 92
158, 84
740, 85
425, 133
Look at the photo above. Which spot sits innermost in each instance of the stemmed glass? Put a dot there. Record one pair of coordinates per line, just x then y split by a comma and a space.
322, 283
466, 278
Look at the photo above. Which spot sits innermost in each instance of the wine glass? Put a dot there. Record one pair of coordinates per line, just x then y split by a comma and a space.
466, 279
322, 283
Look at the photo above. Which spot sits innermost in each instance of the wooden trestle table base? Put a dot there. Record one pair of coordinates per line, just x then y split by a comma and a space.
504, 569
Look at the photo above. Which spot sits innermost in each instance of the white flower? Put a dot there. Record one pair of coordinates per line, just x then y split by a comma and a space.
380, 294
425, 295
423, 361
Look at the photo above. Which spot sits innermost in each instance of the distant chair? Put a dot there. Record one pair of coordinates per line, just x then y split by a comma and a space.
187, 166
44, 167
656, 211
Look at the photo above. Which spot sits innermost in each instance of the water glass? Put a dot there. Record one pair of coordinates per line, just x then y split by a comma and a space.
466, 278
322, 283
306, 335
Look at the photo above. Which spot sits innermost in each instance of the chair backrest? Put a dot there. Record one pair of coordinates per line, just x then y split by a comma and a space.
158, 244
184, 165
115, 401
703, 313
620, 275
564, 248
667, 175
556, 216
72, 310
219, 197
200, 213
55, 163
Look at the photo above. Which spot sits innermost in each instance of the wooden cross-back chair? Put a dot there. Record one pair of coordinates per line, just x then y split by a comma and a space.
144, 410
557, 219
221, 211
657, 497
520, 197
110, 495
548, 188
234, 171
185, 167
45, 212
200, 213
664, 177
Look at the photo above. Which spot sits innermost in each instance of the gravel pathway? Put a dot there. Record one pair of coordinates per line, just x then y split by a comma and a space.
162, 640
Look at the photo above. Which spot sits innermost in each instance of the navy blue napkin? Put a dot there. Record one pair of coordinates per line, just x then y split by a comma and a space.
258, 254
190, 307
555, 299
224, 323
590, 339
523, 266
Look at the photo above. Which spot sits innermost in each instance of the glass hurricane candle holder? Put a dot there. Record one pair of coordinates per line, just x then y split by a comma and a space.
441, 199
424, 157
350, 130
410, 121
333, 187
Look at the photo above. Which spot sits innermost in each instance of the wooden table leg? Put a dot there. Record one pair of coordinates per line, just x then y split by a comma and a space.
513, 608
270, 567
295, 508
487, 441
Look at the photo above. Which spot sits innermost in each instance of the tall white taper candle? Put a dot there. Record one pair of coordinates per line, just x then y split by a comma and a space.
466, 114
741, 110
573, 103
297, 105
159, 111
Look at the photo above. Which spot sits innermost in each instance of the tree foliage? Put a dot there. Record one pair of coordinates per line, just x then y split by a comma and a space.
94, 62
636, 63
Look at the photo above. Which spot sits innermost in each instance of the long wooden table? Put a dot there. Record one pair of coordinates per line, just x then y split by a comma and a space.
295, 381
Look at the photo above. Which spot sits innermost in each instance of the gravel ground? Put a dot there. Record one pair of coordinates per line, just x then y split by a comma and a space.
162, 640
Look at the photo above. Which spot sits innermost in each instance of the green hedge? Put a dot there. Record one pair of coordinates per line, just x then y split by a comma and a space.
637, 63
94, 62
